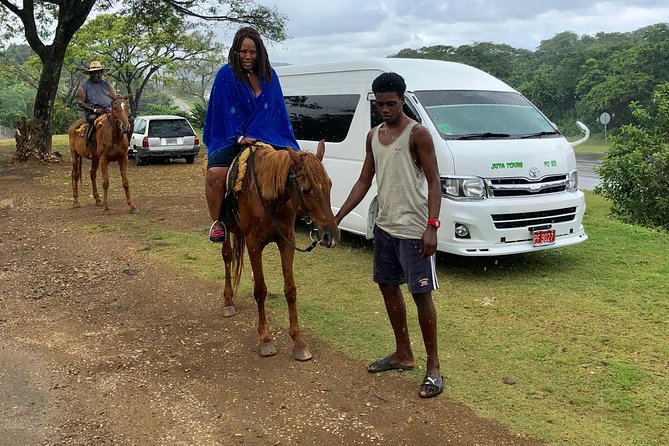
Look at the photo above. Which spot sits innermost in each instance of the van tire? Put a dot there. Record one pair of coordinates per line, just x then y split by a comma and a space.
190, 159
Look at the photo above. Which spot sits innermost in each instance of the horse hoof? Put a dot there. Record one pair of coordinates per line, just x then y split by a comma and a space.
98, 203
75, 205
134, 211
267, 349
106, 211
229, 311
302, 354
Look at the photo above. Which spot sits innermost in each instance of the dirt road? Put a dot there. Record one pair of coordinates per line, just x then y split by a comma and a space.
101, 346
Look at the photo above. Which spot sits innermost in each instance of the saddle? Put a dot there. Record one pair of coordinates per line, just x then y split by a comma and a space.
233, 182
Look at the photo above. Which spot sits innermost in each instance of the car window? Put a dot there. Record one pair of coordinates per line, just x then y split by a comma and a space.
169, 128
140, 126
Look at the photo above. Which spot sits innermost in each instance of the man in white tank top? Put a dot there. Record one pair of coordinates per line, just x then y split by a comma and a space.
401, 154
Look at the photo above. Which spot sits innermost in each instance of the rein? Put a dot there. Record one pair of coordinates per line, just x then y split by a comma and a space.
304, 215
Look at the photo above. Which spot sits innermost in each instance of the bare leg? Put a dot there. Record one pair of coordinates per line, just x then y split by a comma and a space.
427, 318
214, 189
395, 306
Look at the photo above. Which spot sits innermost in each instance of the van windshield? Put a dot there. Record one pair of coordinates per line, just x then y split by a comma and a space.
469, 114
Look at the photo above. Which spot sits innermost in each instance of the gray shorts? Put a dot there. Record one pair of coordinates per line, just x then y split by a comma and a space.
398, 261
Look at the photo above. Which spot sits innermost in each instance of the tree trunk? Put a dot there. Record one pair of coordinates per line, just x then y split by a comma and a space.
39, 130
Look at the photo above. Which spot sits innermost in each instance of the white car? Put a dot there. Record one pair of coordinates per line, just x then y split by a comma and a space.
163, 136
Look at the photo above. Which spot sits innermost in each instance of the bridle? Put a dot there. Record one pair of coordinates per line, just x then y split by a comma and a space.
116, 122
304, 215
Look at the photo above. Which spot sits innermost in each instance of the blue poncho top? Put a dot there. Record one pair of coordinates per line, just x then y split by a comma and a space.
234, 111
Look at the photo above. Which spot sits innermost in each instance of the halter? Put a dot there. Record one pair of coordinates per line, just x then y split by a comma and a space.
117, 124
304, 215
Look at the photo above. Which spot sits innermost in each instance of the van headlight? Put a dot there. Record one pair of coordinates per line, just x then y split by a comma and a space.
572, 185
455, 187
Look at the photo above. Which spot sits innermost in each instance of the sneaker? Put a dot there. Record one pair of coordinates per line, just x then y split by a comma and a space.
217, 233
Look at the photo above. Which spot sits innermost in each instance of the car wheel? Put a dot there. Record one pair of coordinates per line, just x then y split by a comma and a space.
138, 159
190, 159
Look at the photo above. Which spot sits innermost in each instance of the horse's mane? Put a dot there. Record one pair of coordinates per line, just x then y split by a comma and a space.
273, 166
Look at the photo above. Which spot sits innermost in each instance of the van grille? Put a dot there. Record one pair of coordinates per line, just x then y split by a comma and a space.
517, 187
524, 219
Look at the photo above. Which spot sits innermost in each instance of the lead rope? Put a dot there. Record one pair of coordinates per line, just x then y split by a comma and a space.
274, 223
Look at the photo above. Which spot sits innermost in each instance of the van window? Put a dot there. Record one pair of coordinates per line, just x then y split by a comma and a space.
457, 113
319, 117
375, 117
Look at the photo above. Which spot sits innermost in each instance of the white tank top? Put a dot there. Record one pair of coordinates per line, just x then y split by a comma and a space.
401, 187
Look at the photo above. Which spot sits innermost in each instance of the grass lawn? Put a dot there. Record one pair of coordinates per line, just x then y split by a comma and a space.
582, 332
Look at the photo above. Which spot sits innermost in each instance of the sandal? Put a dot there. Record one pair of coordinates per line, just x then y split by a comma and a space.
384, 364
431, 387
217, 232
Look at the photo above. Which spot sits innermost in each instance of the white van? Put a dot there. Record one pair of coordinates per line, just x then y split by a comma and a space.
508, 177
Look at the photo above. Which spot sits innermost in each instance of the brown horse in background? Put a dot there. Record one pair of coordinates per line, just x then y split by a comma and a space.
276, 186
111, 144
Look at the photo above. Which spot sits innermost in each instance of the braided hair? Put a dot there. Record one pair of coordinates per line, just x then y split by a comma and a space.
261, 67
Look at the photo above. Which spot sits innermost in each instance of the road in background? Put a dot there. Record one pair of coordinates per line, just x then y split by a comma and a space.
586, 164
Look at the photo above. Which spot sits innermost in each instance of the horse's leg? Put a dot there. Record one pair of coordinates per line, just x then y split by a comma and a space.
75, 178
228, 305
123, 167
104, 168
95, 164
301, 350
254, 249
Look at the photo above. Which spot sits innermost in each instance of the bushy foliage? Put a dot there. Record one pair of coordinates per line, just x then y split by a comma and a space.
635, 172
162, 109
63, 116
198, 113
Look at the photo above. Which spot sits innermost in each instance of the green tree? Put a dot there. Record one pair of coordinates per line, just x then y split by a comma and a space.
634, 171
135, 51
59, 20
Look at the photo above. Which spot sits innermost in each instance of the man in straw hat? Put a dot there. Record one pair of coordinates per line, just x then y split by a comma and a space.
94, 97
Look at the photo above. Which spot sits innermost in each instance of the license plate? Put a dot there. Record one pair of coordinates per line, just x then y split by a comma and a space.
543, 238
171, 141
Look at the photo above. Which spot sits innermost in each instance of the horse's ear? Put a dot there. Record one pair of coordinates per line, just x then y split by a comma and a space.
294, 155
320, 150
125, 96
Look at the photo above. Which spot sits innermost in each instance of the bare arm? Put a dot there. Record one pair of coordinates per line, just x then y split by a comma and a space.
361, 187
81, 100
424, 147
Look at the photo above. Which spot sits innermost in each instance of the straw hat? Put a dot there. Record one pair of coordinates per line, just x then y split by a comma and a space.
95, 66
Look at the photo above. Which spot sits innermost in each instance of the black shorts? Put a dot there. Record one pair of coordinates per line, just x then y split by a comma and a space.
398, 261
223, 157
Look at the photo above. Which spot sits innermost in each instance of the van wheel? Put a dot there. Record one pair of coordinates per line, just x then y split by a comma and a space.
190, 159
138, 159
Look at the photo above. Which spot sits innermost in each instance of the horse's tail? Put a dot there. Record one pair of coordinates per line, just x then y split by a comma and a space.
238, 245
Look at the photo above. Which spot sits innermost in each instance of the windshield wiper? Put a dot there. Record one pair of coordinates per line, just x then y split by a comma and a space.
483, 135
538, 134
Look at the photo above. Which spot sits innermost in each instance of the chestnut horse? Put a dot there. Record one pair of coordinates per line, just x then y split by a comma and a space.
277, 185
111, 144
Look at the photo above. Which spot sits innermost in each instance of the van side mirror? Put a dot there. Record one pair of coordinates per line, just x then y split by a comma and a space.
584, 128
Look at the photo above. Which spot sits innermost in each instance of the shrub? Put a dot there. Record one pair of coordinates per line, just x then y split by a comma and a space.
635, 171
198, 113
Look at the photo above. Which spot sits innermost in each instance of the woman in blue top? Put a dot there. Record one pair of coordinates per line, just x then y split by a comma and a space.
246, 105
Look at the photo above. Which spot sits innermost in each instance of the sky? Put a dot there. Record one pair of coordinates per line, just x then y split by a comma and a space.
337, 30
